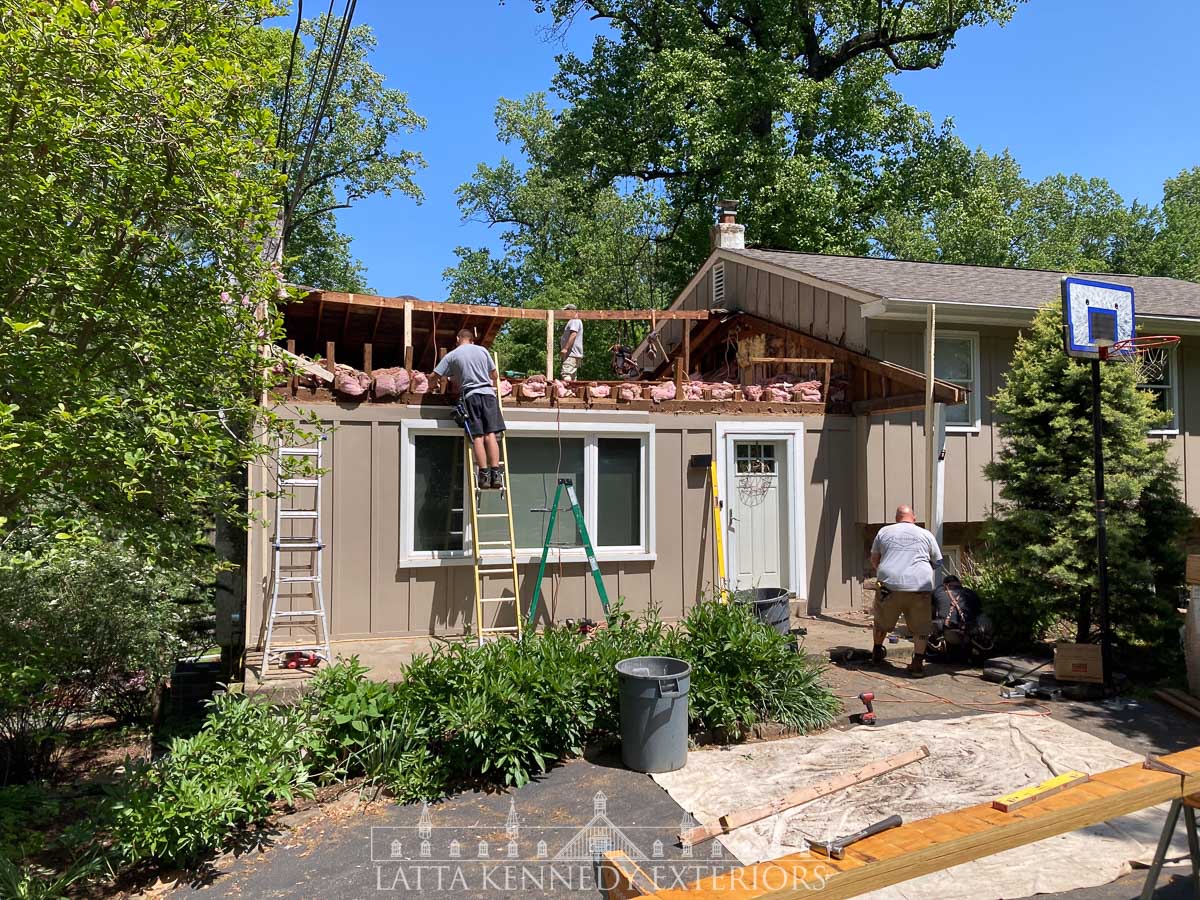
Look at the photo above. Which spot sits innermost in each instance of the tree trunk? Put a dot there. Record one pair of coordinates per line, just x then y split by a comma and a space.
1083, 619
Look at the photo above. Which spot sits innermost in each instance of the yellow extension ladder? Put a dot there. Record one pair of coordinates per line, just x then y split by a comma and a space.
501, 562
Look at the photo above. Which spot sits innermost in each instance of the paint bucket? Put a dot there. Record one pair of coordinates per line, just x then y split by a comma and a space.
654, 712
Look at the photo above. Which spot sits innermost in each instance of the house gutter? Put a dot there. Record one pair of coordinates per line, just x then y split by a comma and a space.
960, 312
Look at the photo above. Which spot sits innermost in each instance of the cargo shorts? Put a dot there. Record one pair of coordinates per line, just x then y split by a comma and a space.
916, 606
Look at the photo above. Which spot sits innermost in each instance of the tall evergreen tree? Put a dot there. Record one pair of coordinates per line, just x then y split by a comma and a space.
1044, 526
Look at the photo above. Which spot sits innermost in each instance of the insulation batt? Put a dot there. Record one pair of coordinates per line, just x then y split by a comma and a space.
722, 391
777, 394
661, 392
350, 382
534, 387
505, 387
420, 383
561, 390
628, 392
599, 391
693, 390
390, 382
753, 392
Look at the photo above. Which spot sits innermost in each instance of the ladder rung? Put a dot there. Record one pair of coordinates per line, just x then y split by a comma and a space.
294, 613
312, 648
493, 544
497, 599
491, 515
507, 567
295, 579
298, 451
495, 630
298, 514
308, 545
301, 482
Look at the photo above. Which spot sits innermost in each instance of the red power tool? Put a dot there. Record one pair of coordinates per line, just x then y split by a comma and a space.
868, 717
299, 659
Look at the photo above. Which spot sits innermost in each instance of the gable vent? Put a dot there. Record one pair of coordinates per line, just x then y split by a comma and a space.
718, 285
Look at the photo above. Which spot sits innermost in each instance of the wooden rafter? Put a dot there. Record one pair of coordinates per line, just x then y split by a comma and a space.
503, 312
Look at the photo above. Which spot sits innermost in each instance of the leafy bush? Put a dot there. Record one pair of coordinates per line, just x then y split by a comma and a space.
185, 805
88, 628
1020, 611
37, 883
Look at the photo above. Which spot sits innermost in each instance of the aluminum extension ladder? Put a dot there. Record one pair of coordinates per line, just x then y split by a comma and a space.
307, 546
501, 562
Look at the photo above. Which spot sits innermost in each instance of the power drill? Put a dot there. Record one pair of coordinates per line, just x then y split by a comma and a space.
868, 717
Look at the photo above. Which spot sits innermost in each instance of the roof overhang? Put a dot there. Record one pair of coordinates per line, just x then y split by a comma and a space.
960, 312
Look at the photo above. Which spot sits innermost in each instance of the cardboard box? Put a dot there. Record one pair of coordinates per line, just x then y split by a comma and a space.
1078, 662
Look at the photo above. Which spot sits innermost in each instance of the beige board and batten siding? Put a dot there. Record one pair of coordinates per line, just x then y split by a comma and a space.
371, 592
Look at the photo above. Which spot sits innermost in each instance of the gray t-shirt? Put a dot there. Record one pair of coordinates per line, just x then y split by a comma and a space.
471, 366
576, 350
908, 555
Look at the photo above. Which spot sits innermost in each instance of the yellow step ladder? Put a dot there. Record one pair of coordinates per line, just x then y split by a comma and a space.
500, 563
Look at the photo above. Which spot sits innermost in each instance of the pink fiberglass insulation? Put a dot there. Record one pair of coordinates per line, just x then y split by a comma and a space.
419, 383
628, 392
599, 391
534, 387
349, 382
753, 392
505, 387
661, 392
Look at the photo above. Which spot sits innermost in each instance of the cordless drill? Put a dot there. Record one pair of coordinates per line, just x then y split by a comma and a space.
868, 717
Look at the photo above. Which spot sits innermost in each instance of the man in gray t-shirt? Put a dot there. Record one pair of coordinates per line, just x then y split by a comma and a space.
570, 345
472, 369
904, 556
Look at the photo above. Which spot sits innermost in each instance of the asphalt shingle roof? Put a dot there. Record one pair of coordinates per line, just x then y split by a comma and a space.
949, 283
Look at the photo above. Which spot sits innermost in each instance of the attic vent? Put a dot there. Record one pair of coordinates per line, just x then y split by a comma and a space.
718, 285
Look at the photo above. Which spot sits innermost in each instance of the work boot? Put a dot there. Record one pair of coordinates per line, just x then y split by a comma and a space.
483, 479
498, 476
916, 668
878, 655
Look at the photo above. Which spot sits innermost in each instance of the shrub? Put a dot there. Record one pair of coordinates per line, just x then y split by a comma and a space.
186, 804
87, 627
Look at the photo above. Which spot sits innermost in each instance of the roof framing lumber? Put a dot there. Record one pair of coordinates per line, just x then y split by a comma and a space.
502, 312
930, 845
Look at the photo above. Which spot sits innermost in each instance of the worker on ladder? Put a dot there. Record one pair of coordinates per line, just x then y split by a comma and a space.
471, 368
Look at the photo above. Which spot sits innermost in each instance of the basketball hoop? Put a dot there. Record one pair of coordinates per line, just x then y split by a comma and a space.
1149, 353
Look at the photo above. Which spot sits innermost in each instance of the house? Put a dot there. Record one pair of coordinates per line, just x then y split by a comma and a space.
805, 479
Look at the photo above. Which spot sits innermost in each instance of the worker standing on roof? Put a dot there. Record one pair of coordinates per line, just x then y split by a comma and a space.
904, 556
473, 371
571, 345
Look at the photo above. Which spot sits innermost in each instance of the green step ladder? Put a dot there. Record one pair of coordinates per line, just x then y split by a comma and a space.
587, 547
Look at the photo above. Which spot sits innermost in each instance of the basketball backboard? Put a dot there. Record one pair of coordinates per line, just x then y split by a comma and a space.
1095, 314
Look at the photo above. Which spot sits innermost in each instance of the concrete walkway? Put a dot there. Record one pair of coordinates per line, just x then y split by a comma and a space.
351, 851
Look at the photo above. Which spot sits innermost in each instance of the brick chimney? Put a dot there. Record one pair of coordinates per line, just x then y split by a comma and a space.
727, 234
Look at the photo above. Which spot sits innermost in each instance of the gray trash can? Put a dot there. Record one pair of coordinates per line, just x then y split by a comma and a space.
771, 607
654, 712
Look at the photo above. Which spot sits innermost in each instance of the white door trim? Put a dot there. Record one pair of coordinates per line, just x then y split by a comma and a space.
793, 433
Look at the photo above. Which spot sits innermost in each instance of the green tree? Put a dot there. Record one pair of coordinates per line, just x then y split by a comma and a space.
788, 107
339, 137
1044, 525
136, 173
1175, 249
564, 241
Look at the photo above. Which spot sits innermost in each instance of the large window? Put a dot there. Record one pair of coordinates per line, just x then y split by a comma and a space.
1166, 396
609, 471
956, 359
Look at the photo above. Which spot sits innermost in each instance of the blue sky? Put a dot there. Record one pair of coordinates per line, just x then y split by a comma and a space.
1099, 87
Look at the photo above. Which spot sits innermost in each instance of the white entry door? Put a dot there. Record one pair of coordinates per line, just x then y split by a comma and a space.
759, 479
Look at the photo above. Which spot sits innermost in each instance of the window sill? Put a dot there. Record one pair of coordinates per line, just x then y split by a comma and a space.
523, 559
962, 429
1164, 432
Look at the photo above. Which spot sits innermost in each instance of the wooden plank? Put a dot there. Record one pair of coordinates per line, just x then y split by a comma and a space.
367, 353
1192, 575
1025, 796
624, 879
502, 312
1181, 705
330, 362
687, 348
740, 817
983, 830
408, 334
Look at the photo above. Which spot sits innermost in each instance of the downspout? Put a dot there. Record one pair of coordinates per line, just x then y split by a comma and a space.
935, 434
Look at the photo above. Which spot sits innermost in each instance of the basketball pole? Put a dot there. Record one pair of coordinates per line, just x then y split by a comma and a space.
1101, 524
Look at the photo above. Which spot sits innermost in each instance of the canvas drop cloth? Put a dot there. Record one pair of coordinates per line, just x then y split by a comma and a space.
972, 760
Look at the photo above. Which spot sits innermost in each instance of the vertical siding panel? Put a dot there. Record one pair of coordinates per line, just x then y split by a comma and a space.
898, 452
805, 307
741, 285
816, 535
389, 593
424, 591
1189, 420
670, 571
839, 498
350, 540
820, 326
775, 287
862, 425
791, 304
696, 555
837, 317
856, 326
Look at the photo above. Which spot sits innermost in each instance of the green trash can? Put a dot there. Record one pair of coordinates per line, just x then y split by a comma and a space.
654, 712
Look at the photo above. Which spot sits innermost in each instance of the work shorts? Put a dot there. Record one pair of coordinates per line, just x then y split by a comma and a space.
483, 414
916, 606
570, 365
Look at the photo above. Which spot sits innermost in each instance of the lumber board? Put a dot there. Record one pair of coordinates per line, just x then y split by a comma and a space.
739, 817
1025, 796
304, 365
500, 312
913, 850
623, 878
1184, 697
1181, 705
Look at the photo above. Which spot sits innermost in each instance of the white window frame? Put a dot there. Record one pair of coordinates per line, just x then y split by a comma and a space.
1173, 374
590, 432
793, 433
974, 402
951, 552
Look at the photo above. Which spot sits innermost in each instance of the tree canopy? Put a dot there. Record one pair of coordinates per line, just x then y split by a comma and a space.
137, 174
